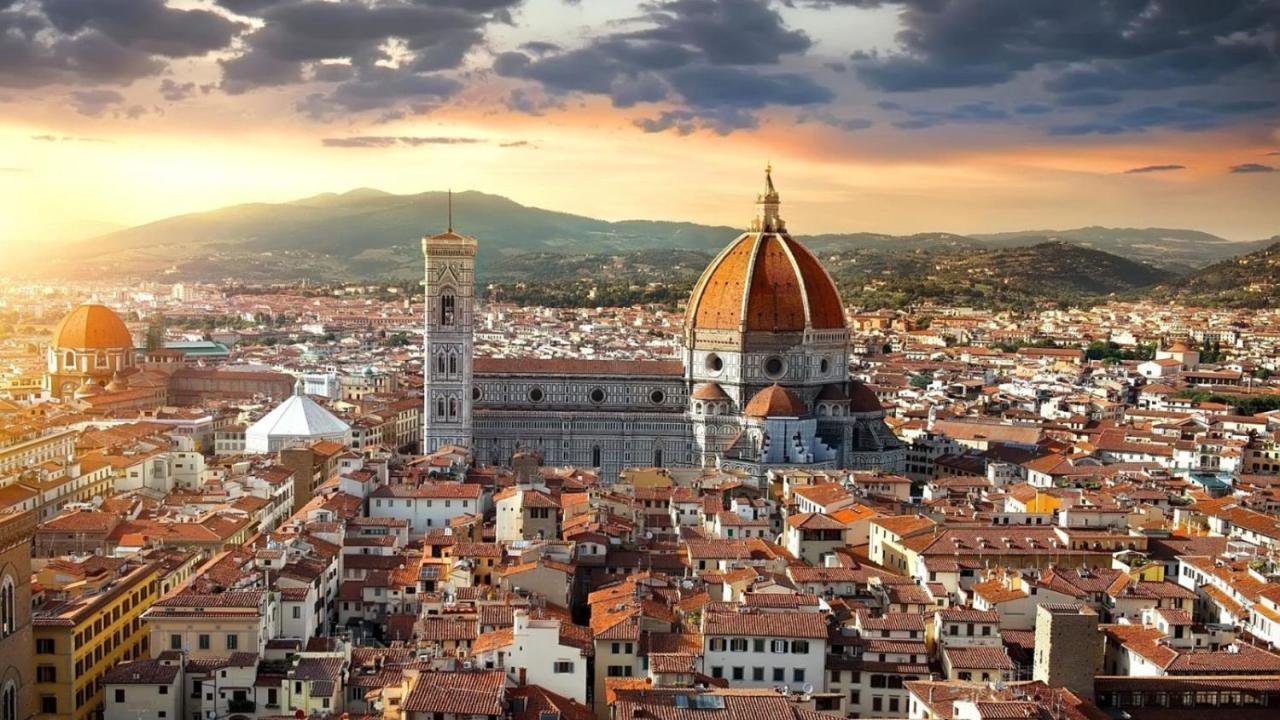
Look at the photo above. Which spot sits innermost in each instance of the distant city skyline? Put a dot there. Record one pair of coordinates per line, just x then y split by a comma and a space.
894, 116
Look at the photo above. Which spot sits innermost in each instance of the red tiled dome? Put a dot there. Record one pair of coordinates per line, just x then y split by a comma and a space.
710, 391
862, 400
768, 282
775, 401
92, 327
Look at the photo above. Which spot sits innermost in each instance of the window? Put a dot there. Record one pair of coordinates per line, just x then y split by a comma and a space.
778, 646
233, 641
447, 303
797, 674
563, 666
9, 703
297, 612
757, 674
779, 675
119, 695
203, 641
800, 646
717, 644
738, 645
48, 704
8, 606
877, 704
175, 642
738, 673
46, 674
44, 646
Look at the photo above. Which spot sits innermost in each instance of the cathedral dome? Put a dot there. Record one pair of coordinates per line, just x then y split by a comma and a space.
92, 327
862, 400
775, 401
710, 391
765, 281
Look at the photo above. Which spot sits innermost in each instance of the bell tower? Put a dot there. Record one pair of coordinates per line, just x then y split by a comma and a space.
449, 289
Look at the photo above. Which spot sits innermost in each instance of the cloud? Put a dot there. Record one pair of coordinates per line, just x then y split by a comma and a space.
707, 58
429, 37
920, 118
1078, 46
94, 103
383, 141
1154, 169
517, 144
67, 138
1188, 116
832, 120
1252, 168
174, 91
111, 42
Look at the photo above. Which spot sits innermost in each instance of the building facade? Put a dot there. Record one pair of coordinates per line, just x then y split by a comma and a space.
762, 381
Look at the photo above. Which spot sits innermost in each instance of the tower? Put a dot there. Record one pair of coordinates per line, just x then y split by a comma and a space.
1068, 649
449, 290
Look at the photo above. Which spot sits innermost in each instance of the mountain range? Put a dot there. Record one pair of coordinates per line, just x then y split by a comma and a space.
370, 234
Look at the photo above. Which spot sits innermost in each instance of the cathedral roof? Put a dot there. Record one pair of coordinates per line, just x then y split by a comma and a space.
775, 401
765, 281
862, 400
92, 327
710, 391
833, 392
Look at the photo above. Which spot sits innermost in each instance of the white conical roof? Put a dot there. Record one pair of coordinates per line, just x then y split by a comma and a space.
298, 418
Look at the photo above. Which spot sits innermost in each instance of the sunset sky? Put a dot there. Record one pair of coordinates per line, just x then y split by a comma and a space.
878, 115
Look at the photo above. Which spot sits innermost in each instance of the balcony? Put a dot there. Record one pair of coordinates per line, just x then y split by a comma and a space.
240, 706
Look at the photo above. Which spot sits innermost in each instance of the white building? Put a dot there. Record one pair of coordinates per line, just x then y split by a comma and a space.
429, 505
297, 420
765, 650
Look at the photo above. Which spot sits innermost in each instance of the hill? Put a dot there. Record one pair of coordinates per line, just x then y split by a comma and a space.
1019, 277
1249, 281
1175, 249
370, 234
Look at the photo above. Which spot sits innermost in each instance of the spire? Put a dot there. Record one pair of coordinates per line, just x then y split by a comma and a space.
767, 219
450, 209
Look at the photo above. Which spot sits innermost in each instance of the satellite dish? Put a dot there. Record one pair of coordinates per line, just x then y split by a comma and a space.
808, 688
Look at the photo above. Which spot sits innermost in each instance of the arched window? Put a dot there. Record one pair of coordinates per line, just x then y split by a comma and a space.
453, 364
595, 456
447, 303
68, 360
440, 363
657, 457
9, 702
101, 359
453, 407
440, 408
8, 605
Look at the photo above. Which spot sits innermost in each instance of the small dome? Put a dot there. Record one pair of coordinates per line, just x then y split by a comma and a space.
117, 384
862, 400
88, 388
710, 391
775, 401
1179, 346
92, 327
832, 392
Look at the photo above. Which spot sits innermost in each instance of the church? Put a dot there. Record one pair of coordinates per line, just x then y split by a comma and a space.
762, 381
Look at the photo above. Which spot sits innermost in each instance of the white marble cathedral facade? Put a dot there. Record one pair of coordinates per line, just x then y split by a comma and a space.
762, 381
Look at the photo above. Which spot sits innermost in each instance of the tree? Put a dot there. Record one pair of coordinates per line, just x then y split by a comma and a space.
155, 332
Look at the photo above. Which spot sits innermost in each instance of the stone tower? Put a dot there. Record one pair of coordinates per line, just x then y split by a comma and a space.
1068, 649
447, 343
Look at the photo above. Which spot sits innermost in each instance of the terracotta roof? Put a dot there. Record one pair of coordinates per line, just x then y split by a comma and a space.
784, 625
92, 327
775, 401
765, 282
710, 391
457, 693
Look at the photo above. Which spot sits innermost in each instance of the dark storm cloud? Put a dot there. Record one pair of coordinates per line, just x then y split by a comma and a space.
102, 41
1154, 169
921, 118
1252, 168
1100, 45
708, 56
841, 123
1088, 99
324, 36
383, 141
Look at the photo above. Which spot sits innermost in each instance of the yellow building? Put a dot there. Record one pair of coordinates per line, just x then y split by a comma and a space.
89, 622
